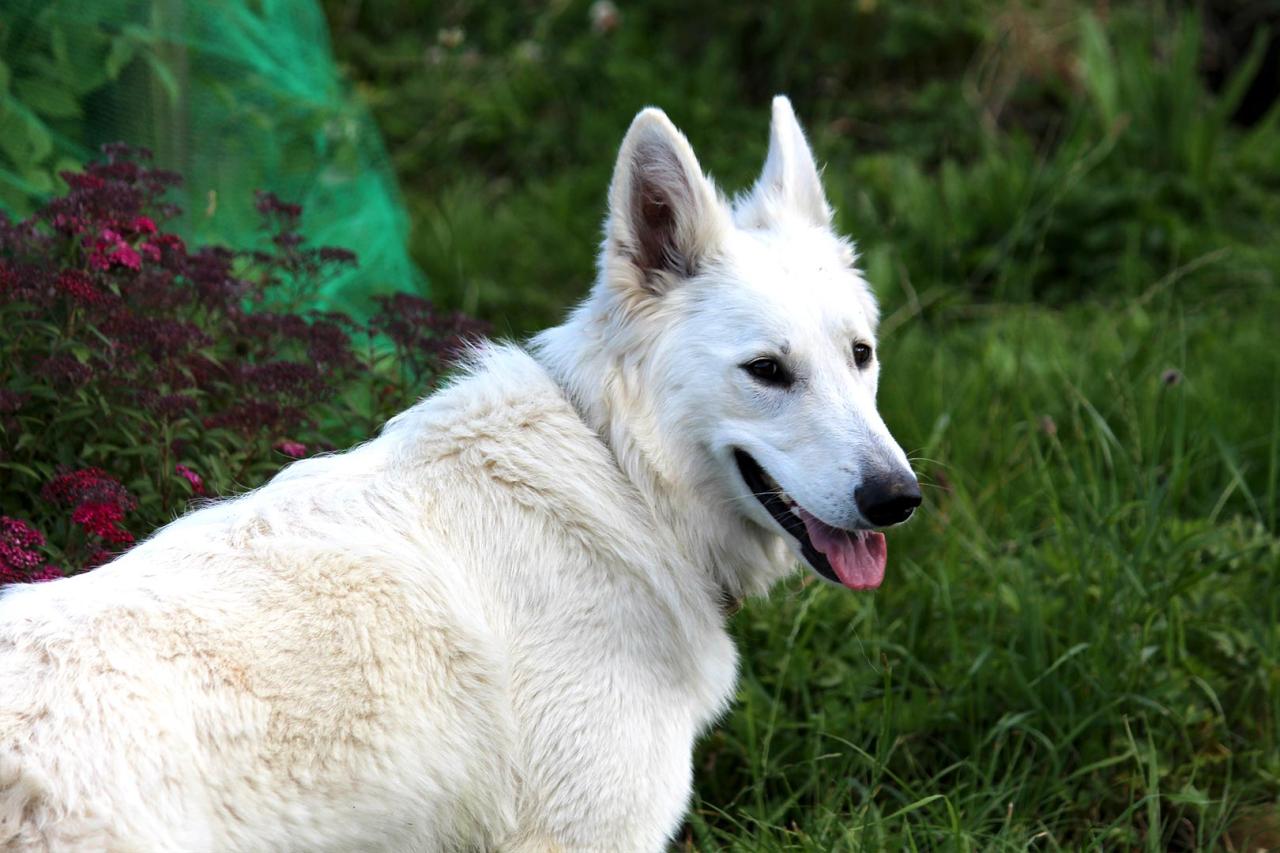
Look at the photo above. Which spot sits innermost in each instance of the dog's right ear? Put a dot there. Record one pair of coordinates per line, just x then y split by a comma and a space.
790, 182
665, 219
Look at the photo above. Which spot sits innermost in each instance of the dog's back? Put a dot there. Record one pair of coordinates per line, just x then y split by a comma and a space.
259, 670
243, 701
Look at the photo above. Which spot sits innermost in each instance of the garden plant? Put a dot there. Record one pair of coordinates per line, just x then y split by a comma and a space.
139, 374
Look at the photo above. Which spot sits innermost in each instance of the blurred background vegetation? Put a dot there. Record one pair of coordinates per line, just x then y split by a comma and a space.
976, 149
1069, 210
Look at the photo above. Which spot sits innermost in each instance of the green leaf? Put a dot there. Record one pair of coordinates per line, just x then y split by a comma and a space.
25, 139
1098, 69
164, 76
46, 98
58, 46
19, 467
38, 181
4, 77
1190, 795
123, 50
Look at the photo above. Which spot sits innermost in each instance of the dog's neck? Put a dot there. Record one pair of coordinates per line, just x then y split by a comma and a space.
596, 366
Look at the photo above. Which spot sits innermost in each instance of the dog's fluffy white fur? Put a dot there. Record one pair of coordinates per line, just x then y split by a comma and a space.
498, 625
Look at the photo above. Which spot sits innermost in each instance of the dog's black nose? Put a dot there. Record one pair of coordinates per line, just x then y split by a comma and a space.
885, 499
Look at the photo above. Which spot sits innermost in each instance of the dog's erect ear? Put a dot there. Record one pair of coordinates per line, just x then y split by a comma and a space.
790, 178
665, 219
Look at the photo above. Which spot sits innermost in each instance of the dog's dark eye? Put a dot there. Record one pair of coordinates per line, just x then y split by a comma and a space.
768, 371
861, 354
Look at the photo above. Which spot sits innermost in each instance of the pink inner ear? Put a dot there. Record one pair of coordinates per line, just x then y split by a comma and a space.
655, 230
658, 192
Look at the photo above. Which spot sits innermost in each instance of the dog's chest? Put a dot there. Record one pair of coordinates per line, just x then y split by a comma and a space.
717, 674
609, 699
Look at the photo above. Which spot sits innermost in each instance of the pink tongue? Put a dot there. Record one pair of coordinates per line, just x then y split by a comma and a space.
858, 558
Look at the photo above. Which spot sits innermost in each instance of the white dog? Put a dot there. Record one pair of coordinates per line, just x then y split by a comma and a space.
500, 625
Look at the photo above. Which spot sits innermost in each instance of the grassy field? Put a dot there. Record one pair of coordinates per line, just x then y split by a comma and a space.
1070, 218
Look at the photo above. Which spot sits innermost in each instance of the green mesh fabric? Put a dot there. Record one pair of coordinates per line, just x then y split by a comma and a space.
236, 95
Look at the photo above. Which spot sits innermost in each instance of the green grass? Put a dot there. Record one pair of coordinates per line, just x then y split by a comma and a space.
1077, 645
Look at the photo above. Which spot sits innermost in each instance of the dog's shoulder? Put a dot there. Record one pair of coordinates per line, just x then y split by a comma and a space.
504, 410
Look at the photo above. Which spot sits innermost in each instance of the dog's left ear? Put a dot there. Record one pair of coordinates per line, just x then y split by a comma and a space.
665, 218
790, 180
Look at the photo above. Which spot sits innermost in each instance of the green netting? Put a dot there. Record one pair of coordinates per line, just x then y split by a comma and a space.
235, 95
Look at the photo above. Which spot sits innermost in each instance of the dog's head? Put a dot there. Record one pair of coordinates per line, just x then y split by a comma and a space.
746, 341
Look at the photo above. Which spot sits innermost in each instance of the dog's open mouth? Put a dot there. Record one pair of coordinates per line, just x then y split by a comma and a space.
854, 558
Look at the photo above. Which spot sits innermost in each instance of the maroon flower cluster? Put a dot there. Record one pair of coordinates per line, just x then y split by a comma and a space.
98, 502
292, 264
12, 401
424, 337
20, 561
415, 324
185, 371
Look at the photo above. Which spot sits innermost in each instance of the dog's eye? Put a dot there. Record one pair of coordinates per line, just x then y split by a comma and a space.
768, 371
861, 354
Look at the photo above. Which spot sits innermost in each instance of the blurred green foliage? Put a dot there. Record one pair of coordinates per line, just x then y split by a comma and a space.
976, 149
49, 73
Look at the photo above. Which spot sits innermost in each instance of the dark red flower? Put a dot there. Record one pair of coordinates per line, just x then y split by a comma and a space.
168, 242
88, 485
161, 338
169, 406
283, 379
293, 449
111, 249
20, 562
269, 204
98, 557
102, 520
47, 572
77, 285
415, 325
194, 479
332, 255
64, 371
254, 416
11, 401
17, 541
143, 225
82, 180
